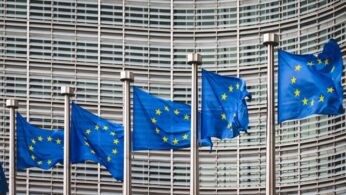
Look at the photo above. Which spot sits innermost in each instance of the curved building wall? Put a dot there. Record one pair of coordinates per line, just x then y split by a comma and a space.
86, 43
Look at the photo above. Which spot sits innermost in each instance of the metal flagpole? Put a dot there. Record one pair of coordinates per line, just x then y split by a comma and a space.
194, 59
67, 92
126, 77
12, 105
270, 40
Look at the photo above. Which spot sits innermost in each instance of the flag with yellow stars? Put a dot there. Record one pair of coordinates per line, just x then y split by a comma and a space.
38, 147
160, 124
224, 109
310, 84
3, 182
97, 139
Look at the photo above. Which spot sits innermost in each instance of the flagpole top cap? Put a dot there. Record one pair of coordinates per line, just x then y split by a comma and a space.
66, 90
270, 39
11, 103
126, 76
194, 58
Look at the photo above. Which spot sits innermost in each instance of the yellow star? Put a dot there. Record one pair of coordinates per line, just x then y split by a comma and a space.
165, 139
158, 112
234, 114
33, 157
86, 143
312, 102
33, 141
237, 85
298, 67
229, 125
85, 138
39, 162
31, 148
175, 141
166, 108
230, 88
58, 141
92, 151
88, 131
321, 98
114, 151
223, 116
333, 69
49, 138
176, 112
185, 136
224, 96
112, 133
186, 117
326, 61
157, 130
297, 92
153, 120
40, 138
97, 127
109, 158
330, 90
49, 162
305, 101
293, 80
319, 61
105, 128
310, 63
115, 141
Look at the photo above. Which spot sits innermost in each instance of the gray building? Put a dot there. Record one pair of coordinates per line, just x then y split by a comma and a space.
86, 43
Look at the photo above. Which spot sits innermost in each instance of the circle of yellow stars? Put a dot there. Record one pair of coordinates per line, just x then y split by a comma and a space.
305, 101
105, 128
224, 97
34, 141
176, 112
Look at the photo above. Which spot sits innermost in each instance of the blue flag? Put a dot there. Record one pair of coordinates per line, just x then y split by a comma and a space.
160, 124
38, 147
98, 140
224, 110
3, 182
310, 85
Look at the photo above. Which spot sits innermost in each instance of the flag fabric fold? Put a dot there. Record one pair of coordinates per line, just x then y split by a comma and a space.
160, 124
38, 147
3, 182
310, 84
224, 109
96, 139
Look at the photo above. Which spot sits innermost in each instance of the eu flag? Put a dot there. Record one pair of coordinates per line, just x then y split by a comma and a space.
224, 109
160, 124
310, 85
98, 140
3, 182
38, 147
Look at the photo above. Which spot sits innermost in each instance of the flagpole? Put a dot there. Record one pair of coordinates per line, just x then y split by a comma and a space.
127, 77
12, 105
194, 59
270, 40
67, 92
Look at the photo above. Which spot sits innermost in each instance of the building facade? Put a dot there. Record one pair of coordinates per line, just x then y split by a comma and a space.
86, 43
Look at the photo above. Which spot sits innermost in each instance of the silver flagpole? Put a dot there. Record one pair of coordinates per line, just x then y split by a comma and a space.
12, 105
194, 59
126, 77
67, 92
270, 40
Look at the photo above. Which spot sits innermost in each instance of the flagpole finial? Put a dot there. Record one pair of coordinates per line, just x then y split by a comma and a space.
66, 90
11, 103
194, 58
270, 38
126, 76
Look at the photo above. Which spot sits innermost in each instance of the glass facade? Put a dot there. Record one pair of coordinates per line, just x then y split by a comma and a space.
86, 43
